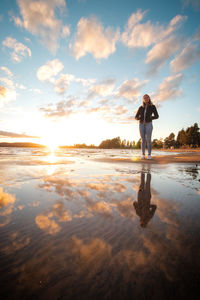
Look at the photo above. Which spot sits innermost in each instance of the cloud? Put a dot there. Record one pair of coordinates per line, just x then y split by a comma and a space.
92, 38
195, 4
48, 71
62, 83
20, 50
7, 71
7, 87
104, 88
161, 52
169, 88
39, 18
16, 135
60, 109
130, 89
188, 56
2, 91
138, 34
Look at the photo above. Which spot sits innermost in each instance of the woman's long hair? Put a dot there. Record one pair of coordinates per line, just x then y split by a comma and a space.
143, 102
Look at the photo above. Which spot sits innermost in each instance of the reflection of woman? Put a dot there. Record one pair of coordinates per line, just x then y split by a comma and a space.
143, 208
145, 114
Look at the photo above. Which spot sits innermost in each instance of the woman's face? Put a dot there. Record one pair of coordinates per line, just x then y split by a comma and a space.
146, 99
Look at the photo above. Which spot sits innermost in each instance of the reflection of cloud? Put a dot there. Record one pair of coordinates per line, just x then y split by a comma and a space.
92, 38
166, 211
98, 186
47, 225
19, 49
39, 18
17, 242
61, 186
61, 213
99, 207
86, 253
169, 88
6, 199
125, 208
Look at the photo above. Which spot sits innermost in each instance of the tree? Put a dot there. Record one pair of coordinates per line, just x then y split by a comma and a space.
193, 136
170, 141
181, 138
110, 144
138, 144
157, 144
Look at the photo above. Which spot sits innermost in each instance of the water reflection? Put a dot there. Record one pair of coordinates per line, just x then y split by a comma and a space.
75, 235
143, 207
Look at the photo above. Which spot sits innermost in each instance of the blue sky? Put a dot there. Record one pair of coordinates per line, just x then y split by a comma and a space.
75, 71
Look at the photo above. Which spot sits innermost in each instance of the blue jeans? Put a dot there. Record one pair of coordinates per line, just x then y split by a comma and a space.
145, 133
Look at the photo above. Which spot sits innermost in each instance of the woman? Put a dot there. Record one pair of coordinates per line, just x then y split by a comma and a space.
145, 114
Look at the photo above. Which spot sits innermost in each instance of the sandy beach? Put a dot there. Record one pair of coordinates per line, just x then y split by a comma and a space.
184, 156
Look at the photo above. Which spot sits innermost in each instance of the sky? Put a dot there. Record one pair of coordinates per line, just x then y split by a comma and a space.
75, 71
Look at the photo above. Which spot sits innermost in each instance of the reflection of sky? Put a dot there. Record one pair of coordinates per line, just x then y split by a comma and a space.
77, 223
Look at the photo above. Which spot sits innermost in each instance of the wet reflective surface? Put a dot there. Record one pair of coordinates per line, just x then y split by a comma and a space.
75, 228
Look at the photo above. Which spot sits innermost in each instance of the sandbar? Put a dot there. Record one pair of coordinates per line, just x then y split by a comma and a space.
180, 157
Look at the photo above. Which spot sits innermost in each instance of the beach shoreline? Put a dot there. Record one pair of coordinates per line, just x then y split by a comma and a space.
182, 157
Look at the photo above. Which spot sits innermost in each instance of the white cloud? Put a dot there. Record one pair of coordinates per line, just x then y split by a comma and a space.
103, 89
7, 71
130, 89
161, 52
92, 38
20, 50
169, 88
65, 31
39, 18
48, 71
62, 83
138, 34
7, 87
59, 110
188, 56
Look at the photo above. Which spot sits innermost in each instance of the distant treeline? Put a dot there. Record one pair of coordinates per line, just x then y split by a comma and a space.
189, 138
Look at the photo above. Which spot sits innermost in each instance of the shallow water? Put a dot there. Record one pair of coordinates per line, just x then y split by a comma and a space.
72, 227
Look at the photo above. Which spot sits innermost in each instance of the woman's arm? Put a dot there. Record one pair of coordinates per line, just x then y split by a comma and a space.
156, 115
137, 116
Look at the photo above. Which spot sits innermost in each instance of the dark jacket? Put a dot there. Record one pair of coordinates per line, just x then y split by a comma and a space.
151, 114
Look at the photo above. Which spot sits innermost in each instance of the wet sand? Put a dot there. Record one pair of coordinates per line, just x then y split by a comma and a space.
75, 226
183, 157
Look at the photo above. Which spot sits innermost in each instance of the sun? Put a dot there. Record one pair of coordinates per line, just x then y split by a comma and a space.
52, 140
